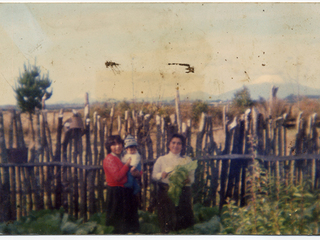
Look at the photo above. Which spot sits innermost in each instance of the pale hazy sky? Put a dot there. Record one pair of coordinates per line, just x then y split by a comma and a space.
271, 42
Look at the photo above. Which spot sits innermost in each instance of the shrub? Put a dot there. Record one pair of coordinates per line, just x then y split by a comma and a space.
273, 208
242, 99
198, 107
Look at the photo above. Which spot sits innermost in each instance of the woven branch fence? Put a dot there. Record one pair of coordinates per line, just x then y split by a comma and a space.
69, 173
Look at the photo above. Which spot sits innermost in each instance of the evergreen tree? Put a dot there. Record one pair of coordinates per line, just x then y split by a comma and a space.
30, 88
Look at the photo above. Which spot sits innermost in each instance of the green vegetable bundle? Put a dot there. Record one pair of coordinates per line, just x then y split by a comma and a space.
177, 180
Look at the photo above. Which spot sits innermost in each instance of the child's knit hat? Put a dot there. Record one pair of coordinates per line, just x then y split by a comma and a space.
130, 142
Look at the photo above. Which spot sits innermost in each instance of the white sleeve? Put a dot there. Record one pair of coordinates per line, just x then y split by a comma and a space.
125, 158
156, 173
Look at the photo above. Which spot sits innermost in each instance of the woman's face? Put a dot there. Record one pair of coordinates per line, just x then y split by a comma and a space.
116, 148
175, 145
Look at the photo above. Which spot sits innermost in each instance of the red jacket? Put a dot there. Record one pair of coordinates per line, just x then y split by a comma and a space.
115, 171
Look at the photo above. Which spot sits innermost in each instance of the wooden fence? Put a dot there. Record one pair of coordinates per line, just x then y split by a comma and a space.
70, 174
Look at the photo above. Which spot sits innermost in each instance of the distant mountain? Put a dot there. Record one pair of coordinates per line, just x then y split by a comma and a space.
263, 90
284, 90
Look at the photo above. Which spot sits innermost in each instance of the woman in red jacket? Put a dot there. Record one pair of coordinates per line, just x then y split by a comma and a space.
122, 207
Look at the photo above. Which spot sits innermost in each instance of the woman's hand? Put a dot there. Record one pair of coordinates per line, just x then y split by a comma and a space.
164, 175
135, 172
128, 162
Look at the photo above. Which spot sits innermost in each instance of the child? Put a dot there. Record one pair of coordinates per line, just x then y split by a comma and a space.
130, 145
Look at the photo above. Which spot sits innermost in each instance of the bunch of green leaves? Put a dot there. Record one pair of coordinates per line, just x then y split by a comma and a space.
177, 180
52, 222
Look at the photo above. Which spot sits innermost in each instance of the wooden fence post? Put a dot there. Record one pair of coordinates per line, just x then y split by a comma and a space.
246, 149
177, 101
200, 135
171, 128
126, 121
35, 176
233, 188
57, 158
158, 137
225, 164
12, 170
20, 140
147, 137
95, 138
91, 173
5, 210
164, 129
119, 125
111, 120
313, 148
101, 173
12, 121
198, 185
48, 154
300, 124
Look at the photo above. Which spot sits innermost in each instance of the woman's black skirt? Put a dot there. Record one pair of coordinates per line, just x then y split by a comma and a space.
122, 210
172, 218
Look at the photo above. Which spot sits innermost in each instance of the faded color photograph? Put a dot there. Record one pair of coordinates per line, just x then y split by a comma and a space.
159, 118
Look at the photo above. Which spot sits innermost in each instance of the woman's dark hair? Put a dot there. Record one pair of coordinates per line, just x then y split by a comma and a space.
183, 141
112, 140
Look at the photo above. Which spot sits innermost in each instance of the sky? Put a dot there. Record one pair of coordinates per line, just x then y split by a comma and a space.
228, 44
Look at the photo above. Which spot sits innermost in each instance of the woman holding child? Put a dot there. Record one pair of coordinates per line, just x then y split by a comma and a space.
171, 217
122, 206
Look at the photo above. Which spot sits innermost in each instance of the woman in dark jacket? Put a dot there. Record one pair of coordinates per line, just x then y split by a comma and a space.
122, 206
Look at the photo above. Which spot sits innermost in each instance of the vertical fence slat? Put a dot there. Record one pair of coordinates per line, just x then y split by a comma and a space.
20, 140
19, 191
101, 157
111, 121
65, 184
39, 198
225, 168
158, 136
57, 158
13, 199
163, 135
12, 122
5, 184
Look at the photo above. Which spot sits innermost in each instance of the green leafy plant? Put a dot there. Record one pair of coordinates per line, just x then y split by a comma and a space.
204, 214
273, 207
53, 222
148, 223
